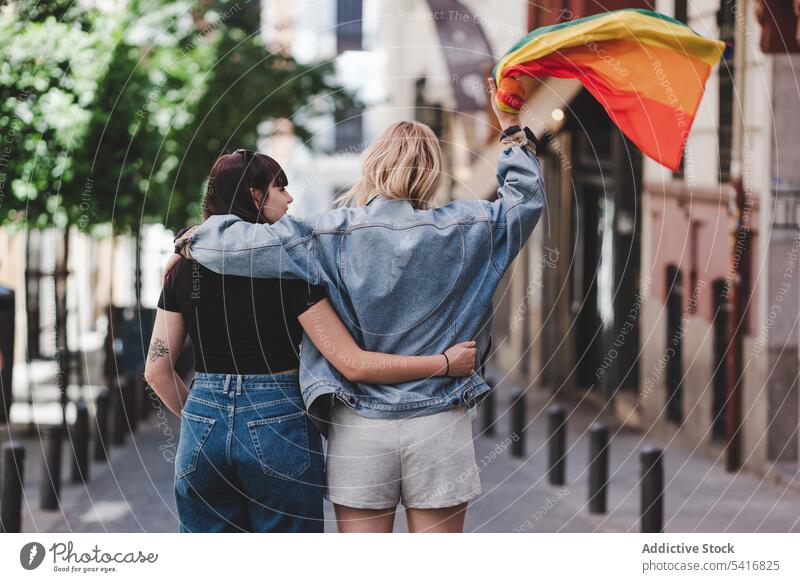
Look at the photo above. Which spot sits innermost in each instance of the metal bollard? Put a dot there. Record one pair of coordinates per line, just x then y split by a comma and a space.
7, 315
557, 444
119, 422
147, 401
489, 406
101, 425
11, 497
598, 467
518, 423
132, 403
80, 444
652, 492
52, 437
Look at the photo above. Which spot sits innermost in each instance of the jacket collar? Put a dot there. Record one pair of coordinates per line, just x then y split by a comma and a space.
381, 199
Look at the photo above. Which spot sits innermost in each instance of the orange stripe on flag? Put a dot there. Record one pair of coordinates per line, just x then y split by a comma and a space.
660, 74
657, 128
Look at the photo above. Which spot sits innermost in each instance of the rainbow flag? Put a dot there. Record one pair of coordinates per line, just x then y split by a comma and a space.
648, 70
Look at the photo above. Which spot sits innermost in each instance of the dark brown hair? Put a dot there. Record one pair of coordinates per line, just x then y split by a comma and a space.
230, 180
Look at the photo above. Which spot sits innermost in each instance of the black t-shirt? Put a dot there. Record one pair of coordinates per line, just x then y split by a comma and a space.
239, 325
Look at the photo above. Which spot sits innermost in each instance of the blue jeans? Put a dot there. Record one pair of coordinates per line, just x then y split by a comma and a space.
248, 459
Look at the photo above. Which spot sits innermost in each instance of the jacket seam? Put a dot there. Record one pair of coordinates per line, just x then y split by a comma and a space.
505, 224
351, 229
318, 386
459, 290
347, 231
533, 192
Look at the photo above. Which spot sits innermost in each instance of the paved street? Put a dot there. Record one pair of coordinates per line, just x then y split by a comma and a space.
699, 495
133, 492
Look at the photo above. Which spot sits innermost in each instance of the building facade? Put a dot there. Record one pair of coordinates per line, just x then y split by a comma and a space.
669, 300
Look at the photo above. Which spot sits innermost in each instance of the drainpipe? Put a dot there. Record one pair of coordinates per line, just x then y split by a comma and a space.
741, 236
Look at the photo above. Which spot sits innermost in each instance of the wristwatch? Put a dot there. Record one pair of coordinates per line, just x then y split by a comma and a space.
512, 129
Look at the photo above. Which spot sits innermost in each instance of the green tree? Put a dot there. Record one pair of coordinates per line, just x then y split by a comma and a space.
115, 118
245, 85
47, 80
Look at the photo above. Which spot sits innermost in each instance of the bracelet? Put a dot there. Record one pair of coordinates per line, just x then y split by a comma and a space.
446, 359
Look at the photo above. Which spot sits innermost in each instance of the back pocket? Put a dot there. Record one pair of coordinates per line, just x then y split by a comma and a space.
281, 444
194, 432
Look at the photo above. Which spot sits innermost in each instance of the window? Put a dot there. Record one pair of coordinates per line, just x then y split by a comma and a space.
431, 114
726, 19
682, 11
349, 131
349, 16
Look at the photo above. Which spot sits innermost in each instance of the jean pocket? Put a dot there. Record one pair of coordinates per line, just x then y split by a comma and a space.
281, 444
194, 433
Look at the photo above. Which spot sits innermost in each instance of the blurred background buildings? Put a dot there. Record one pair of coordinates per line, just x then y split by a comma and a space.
668, 301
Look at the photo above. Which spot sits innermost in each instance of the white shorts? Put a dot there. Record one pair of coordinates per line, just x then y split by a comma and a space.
425, 462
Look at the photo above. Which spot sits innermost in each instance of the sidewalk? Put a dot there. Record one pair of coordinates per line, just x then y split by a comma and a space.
700, 496
133, 492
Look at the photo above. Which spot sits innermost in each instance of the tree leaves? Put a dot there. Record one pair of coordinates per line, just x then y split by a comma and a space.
117, 117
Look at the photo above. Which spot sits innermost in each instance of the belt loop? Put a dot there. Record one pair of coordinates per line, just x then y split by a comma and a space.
238, 384
227, 385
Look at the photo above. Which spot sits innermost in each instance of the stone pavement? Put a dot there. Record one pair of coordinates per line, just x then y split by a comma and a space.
133, 491
700, 496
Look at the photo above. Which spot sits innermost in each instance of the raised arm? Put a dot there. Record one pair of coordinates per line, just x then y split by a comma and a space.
166, 343
520, 196
232, 246
324, 328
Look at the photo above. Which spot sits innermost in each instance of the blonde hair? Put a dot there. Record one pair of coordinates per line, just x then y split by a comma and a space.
404, 163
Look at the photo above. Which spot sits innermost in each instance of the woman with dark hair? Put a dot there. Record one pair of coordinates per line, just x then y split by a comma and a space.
249, 459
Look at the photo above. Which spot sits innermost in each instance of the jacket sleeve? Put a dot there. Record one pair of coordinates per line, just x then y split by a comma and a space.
519, 204
228, 245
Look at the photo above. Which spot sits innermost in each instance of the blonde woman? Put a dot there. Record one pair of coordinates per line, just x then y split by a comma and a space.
405, 278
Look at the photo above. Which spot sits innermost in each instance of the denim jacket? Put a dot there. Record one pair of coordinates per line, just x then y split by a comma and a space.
404, 281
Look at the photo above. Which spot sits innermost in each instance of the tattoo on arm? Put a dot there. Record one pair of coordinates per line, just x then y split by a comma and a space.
158, 349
